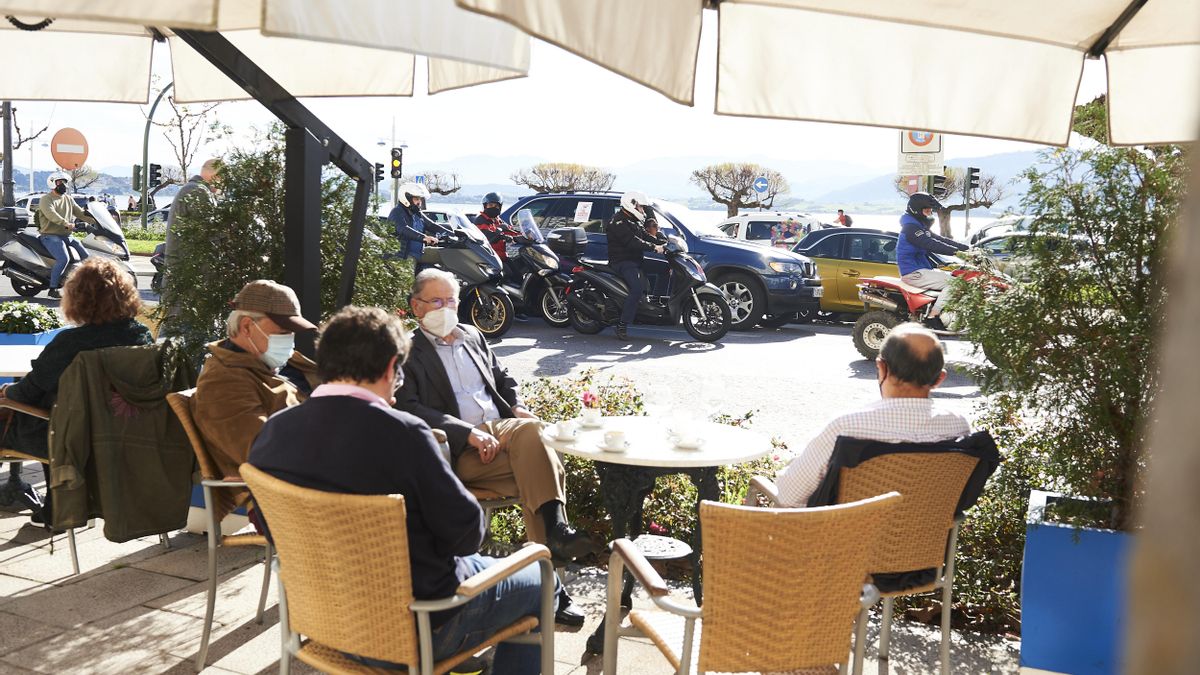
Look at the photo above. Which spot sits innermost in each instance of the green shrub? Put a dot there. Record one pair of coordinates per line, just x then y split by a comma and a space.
18, 316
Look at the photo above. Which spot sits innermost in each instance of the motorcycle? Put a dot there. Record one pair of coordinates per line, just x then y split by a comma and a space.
25, 261
463, 251
543, 286
889, 302
597, 293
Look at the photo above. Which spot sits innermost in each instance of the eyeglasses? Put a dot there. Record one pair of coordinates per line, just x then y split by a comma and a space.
439, 303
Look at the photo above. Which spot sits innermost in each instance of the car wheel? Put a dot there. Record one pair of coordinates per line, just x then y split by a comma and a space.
746, 299
871, 329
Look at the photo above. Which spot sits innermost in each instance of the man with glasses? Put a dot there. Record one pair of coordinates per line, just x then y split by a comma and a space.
454, 382
250, 375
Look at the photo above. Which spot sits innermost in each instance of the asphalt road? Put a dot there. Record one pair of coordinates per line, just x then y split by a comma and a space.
141, 265
795, 377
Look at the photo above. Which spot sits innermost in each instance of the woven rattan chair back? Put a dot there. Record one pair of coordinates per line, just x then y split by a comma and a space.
181, 403
930, 484
346, 589
782, 586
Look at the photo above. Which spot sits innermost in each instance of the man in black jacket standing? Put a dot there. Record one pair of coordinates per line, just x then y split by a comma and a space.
627, 245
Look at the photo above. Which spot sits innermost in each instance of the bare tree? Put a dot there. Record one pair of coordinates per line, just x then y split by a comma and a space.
21, 139
189, 129
732, 184
442, 182
564, 177
989, 192
171, 175
83, 177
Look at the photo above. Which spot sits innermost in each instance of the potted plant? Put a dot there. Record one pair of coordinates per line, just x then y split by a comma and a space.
26, 323
1071, 384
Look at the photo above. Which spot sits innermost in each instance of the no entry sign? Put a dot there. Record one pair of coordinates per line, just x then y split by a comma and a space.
69, 148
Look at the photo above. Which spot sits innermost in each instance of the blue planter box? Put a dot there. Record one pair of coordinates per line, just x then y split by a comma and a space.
1073, 595
42, 338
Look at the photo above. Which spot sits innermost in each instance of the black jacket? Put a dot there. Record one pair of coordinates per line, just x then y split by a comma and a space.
627, 241
428, 394
40, 387
348, 445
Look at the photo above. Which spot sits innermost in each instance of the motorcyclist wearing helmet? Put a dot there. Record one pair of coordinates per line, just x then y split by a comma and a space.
496, 231
917, 241
413, 226
55, 219
628, 242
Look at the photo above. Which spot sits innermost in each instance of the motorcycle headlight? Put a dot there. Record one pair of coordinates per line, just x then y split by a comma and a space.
543, 259
786, 267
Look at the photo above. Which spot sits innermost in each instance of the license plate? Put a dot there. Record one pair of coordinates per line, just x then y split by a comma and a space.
818, 292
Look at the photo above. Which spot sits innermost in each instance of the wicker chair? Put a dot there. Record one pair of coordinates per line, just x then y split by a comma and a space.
210, 478
488, 500
350, 593
923, 533
10, 455
782, 590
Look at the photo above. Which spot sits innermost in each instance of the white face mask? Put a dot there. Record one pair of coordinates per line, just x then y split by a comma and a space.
440, 321
279, 348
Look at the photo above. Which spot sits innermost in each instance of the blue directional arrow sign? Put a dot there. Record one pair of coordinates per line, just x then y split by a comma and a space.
760, 184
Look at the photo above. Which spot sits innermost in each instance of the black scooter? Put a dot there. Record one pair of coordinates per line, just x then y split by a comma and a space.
598, 292
542, 283
463, 251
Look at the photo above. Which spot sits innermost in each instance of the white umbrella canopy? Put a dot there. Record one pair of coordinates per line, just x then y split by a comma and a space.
344, 48
1004, 70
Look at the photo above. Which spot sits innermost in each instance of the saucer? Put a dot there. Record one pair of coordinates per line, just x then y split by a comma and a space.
608, 448
694, 445
549, 435
591, 425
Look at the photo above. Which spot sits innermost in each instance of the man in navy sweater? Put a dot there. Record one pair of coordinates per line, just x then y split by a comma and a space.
348, 439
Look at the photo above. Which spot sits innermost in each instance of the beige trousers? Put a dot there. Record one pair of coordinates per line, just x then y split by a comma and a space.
524, 467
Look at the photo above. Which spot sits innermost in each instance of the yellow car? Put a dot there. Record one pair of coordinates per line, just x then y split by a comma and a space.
844, 255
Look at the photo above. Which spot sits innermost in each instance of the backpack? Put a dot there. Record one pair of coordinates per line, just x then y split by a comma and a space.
847, 220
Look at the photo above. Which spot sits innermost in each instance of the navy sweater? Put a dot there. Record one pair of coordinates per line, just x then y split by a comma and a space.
347, 445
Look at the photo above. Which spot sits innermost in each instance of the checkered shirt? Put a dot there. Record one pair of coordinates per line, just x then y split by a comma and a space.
892, 420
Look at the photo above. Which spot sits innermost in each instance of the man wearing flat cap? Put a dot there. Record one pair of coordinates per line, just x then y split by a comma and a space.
250, 375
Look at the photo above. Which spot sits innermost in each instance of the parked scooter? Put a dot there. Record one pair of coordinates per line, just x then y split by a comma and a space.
598, 292
25, 261
465, 253
542, 283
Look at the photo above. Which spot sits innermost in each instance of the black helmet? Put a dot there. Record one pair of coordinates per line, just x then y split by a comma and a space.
922, 200
493, 198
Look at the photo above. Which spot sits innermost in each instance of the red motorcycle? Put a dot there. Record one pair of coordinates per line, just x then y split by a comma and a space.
889, 302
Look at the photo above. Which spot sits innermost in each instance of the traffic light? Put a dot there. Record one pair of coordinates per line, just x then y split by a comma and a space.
137, 177
378, 173
972, 178
397, 162
938, 187
155, 175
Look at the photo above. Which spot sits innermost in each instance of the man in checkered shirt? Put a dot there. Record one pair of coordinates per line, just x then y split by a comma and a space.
909, 366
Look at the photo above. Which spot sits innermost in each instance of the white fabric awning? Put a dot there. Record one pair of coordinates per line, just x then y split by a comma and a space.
328, 48
1002, 69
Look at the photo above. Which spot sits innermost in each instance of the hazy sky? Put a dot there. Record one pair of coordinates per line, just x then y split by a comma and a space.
566, 110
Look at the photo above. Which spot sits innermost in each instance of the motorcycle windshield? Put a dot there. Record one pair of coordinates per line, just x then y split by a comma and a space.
529, 226
460, 223
111, 229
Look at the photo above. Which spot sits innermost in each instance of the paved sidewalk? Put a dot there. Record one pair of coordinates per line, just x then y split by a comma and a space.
138, 608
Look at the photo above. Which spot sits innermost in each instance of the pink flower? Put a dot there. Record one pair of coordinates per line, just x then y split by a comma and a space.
655, 528
590, 400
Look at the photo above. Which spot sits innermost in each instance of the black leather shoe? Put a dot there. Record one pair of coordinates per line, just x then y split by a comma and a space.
569, 615
474, 665
622, 334
54, 293
566, 543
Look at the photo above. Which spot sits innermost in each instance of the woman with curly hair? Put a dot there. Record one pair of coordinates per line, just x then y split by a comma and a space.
102, 302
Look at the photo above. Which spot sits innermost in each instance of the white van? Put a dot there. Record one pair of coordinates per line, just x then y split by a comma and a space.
770, 228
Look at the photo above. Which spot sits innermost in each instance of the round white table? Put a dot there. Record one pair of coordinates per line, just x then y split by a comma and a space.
627, 477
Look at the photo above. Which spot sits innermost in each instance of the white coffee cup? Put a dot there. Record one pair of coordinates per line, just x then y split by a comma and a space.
591, 416
614, 440
564, 430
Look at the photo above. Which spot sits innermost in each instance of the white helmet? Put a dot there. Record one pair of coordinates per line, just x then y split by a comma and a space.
57, 176
412, 190
630, 201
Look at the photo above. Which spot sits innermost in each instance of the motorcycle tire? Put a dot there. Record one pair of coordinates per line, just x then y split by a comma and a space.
560, 318
870, 330
27, 290
582, 322
491, 313
714, 325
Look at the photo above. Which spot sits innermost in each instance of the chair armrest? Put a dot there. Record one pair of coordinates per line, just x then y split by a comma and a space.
223, 482
24, 408
507, 566
761, 485
639, 567
870, 596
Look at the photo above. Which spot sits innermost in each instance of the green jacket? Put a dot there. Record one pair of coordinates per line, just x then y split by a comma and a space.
117, 451
56, 214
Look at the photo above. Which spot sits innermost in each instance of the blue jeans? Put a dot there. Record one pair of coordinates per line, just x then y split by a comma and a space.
499, 606
631, 272
57, 245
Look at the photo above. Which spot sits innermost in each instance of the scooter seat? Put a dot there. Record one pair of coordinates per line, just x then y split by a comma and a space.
909, 287
32, 241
